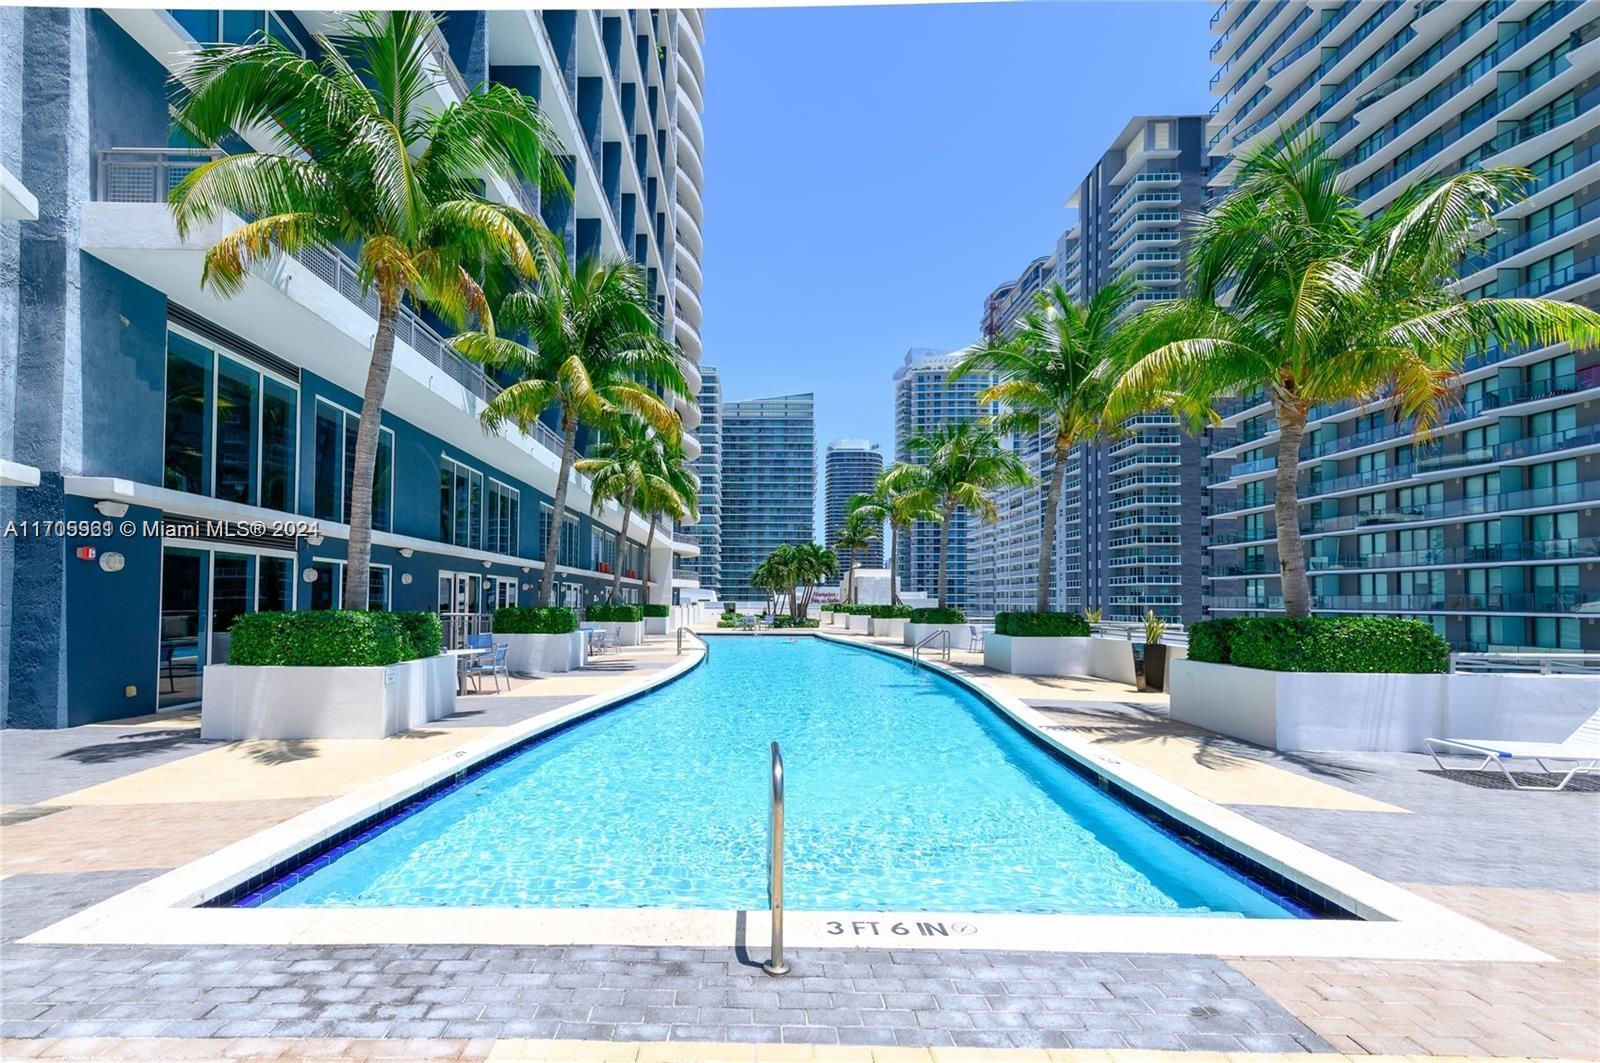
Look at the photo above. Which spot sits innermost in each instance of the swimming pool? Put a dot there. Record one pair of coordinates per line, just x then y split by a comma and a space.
906, 792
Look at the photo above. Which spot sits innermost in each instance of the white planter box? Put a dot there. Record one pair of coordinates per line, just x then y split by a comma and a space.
1036, 655
888, 627
530, 654
657, 625
1525, 708
624, 634
1337, 711
861, 624
825, 618
246, 702
1113, 659
960, 637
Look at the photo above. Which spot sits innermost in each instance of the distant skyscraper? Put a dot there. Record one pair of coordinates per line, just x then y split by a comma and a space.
851, 467
769, 485
924, 398
706, 533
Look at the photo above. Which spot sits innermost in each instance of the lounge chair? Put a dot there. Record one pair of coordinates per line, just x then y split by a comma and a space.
1581, 749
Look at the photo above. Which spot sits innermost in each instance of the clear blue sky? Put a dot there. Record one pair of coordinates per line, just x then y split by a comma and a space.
873, 172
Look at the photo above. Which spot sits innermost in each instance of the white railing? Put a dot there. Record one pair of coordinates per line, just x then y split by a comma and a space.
1535, 663
1175, 634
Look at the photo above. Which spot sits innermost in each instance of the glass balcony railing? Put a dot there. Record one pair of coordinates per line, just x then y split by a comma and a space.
1573, 602
1553, 550
1503, 249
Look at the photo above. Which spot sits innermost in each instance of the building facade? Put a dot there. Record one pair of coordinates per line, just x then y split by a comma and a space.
850, 468
1490, 529
769, 485
705, 570
196, 450
1128, 537
925, 398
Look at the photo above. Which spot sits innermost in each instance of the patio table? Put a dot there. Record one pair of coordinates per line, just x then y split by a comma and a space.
463, 658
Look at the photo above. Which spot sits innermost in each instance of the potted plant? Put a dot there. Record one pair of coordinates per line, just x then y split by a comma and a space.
658, 618
1153, 673
540, 638
328, 674
924, 622
1038, 644
625, 623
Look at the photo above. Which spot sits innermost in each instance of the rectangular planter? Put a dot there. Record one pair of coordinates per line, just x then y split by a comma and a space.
861, 624
626, 634
1112, 659
1335, 711
531, 654
886, 627
1036, 655
915, 633
657, 625
241, 702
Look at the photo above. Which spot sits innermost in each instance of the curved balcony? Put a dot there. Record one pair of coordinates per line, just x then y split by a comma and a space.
689, 123
691, 446
689, 43
690, 84
689, 199
689, 159
688, 339
688, 303
689, 232
689, 269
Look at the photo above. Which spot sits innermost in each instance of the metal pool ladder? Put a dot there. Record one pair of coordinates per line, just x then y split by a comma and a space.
933, 636
775, 965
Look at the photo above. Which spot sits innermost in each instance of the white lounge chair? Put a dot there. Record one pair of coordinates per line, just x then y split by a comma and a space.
1581, 749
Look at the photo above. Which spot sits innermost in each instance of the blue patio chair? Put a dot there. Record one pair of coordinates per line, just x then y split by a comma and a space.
479, 642
492, 665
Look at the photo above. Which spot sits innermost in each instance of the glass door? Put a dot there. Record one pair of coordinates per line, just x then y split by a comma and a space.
183, 627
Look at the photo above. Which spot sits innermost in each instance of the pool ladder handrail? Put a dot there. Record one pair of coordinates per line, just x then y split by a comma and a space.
944, 652
776, 965
705, 646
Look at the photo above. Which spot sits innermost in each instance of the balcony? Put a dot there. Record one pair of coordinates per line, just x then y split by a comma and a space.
1556, 602
1531, 551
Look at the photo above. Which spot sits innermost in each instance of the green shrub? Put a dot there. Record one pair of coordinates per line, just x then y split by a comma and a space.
888, 612
784, 621
319, 639
424, 631
1323, 644
535, 620
1209, 639
657, 610
614, 614
728, 620
1041, 625
937, 616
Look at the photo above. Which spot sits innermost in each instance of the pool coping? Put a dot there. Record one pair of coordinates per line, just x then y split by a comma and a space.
1393, 923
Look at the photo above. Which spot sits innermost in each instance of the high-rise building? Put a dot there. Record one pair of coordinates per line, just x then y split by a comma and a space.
706, 532
1123, 542
1490, 529
769, 485
850, 468
130, 390
925, 398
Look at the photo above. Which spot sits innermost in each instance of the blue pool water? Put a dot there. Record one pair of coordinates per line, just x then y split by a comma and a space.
906, 792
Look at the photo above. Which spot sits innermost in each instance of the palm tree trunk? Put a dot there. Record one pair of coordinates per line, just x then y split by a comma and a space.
358, 558
852, 571
1296, 589
894, 553
1047, 547
649, 541
616, 569
558, 508
944, 553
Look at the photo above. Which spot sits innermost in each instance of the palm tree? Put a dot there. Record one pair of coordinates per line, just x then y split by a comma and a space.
1295, 293
856, 533
962, 464
676, 495
625, 467
1055, 374
360, 159
894, 499
769, 576
594, 350
813, 563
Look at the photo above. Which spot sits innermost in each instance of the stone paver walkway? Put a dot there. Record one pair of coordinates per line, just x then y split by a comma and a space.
92, 811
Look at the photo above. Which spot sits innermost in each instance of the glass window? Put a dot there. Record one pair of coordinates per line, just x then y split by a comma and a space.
279, 404
188, 398
379, 578
502, 525
183, 629
231, 592
335, 472
236, 431
327, 482
274, 584
460, 504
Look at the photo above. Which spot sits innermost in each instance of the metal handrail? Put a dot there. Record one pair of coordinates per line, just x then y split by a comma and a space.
1542, 663
944, 655
776, 965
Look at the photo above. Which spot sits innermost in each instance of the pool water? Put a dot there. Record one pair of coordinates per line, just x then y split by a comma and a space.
906, 792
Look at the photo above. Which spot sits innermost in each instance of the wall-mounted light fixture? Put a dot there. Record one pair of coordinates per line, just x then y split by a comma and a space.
112, 561
488, 564
108, 508
309, 575
406, 551
314, 539
405, 577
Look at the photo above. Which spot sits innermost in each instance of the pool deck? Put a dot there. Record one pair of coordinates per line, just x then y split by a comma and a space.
89, 812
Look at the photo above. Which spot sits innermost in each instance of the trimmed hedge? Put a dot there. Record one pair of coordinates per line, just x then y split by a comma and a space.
658, 610
1321, 644
424, 631
535, 620
614, 614
728, 620
784, 621
937, 616
1041, 625
320, 639
889, 612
